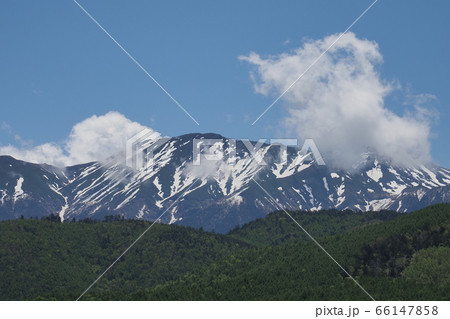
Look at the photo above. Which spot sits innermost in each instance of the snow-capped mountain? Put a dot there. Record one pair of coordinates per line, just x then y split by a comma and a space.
216, 195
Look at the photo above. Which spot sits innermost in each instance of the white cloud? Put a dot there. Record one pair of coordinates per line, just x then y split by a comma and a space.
95, 139
339, 102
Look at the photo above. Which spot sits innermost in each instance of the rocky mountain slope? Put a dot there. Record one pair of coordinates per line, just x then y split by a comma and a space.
216, 195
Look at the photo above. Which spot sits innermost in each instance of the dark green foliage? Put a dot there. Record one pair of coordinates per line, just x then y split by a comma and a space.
52, 218
391, 255
430, 266
278, 227
299, 270
268, 259
41, 258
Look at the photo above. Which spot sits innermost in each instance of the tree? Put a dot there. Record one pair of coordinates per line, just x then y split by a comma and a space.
430, 266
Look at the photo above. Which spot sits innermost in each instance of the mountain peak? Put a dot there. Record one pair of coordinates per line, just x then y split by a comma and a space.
192, 136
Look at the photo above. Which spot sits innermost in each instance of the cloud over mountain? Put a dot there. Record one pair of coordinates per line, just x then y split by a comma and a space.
340, 102
94, 139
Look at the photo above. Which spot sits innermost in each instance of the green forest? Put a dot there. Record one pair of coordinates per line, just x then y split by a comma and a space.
393, 256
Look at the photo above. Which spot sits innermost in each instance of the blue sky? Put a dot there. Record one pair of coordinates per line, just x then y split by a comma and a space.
58, 68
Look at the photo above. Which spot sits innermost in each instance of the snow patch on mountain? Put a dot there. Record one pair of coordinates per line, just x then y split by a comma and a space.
63, 209
141, 212
311, 196
375, 173
299, 193
432, 176
379, 204
340, 201
420, 193
126, 200
3, 196
297, 165
340, 189
176, 185
172, 215
395, 188
325, 184
66, 203
18, 191
158, 186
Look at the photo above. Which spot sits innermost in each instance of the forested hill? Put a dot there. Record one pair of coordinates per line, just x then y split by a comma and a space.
394, 256
406, 258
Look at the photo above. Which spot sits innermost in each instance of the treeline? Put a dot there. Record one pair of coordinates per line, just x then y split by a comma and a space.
57, 219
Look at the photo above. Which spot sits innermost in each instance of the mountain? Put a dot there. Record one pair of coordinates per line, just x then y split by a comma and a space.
215, 195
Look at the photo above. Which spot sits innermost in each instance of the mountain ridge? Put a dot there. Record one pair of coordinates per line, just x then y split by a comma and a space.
214, 195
